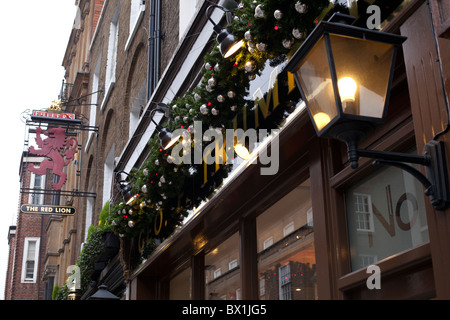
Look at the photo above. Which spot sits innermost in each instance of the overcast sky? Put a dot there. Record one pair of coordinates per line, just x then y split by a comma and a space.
33, 37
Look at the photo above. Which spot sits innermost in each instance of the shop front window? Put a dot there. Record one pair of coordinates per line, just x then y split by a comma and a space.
385, 215
222, 271
180, 286
286, 256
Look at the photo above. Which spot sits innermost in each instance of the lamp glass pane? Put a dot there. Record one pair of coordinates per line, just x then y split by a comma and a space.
362, 70
315, 80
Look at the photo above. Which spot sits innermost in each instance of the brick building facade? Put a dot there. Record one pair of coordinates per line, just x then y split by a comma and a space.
27, 243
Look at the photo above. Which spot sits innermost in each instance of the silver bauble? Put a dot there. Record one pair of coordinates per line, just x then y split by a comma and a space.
297, 34
278, 14
300, 7
250, 66
204, 109
211, 82
259, 12
287, 43
261, 46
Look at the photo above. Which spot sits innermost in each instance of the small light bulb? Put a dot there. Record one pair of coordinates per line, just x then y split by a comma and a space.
321, 119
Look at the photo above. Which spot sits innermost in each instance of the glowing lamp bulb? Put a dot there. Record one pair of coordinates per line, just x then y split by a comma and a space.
321, 119
242, 151
347, 88
130, 200
234, 48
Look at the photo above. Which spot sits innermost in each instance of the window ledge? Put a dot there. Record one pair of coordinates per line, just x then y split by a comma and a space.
108, 93
28, 281
400, 261
89, 142
135, 27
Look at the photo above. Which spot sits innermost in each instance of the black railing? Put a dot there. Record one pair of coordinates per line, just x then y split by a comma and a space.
66, 89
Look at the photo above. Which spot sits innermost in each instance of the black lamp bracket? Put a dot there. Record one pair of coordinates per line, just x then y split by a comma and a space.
208, 13
229, 13
435, 182
119, 178
163, 108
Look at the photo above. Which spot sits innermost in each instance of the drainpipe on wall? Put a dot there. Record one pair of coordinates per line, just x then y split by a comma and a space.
154, 44
156, 65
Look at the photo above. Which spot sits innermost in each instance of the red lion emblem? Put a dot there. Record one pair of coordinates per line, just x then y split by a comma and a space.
56, 147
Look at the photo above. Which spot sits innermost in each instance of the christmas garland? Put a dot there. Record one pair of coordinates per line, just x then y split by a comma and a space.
166, 192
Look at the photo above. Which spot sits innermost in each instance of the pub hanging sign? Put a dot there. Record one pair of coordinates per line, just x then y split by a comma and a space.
58, 150
47, 209
54, 114
59, 117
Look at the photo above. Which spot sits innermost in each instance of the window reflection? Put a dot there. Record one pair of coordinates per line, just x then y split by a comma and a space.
222, 271
180, 286
385, 215
286, 255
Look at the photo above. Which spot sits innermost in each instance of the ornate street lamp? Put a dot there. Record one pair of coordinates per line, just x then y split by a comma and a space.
344, 74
